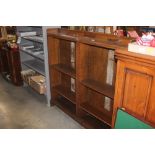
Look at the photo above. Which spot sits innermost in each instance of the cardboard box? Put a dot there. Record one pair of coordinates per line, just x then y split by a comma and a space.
134, 47
38, 83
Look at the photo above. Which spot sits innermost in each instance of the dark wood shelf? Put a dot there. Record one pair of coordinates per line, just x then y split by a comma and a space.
106, 90
64, 69
69, 95
90, 122
98, 114
87, 121
67, 106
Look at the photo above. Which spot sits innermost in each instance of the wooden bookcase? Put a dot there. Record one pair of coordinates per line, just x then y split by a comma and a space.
82, 74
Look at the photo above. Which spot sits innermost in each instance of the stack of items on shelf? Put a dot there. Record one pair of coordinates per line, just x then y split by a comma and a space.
34, 80
143, 45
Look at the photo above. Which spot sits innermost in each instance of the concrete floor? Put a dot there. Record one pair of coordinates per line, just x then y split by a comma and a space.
22, 108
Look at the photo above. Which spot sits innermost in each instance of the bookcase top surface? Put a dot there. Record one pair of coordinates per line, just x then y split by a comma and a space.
90, 38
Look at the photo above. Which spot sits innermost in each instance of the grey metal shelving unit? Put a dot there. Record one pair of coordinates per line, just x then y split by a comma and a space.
30, 58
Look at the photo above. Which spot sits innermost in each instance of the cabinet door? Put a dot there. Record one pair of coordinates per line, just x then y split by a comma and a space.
135, 87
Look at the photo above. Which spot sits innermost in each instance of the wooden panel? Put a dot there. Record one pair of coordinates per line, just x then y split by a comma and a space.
82, 61
136, 92
53, 50
55, 77
97, 64
150, 113
92, 63
65, 52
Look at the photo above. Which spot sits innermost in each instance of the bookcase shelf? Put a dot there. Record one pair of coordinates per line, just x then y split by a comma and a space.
64, 69
95, 103
105, 89
66, 93
98, 114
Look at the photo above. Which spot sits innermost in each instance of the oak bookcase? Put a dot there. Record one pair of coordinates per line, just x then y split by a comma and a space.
82, 74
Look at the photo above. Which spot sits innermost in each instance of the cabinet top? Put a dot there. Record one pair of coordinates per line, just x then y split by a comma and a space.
91, 38
125, 55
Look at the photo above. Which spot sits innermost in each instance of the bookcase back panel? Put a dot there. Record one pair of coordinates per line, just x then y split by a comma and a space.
65, 52
53, 50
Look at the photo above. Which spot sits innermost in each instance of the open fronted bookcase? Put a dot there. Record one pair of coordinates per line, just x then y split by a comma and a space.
82, 74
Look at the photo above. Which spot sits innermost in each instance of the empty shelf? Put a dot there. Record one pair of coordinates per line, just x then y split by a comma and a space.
65, 93
65, 69
98, 114
104, 89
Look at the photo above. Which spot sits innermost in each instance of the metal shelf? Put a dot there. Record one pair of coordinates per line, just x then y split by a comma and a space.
39, 56
34, 38
36, 65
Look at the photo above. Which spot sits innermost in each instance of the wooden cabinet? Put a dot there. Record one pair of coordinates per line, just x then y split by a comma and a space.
135, 85
4, 58
82, 74
10, 64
